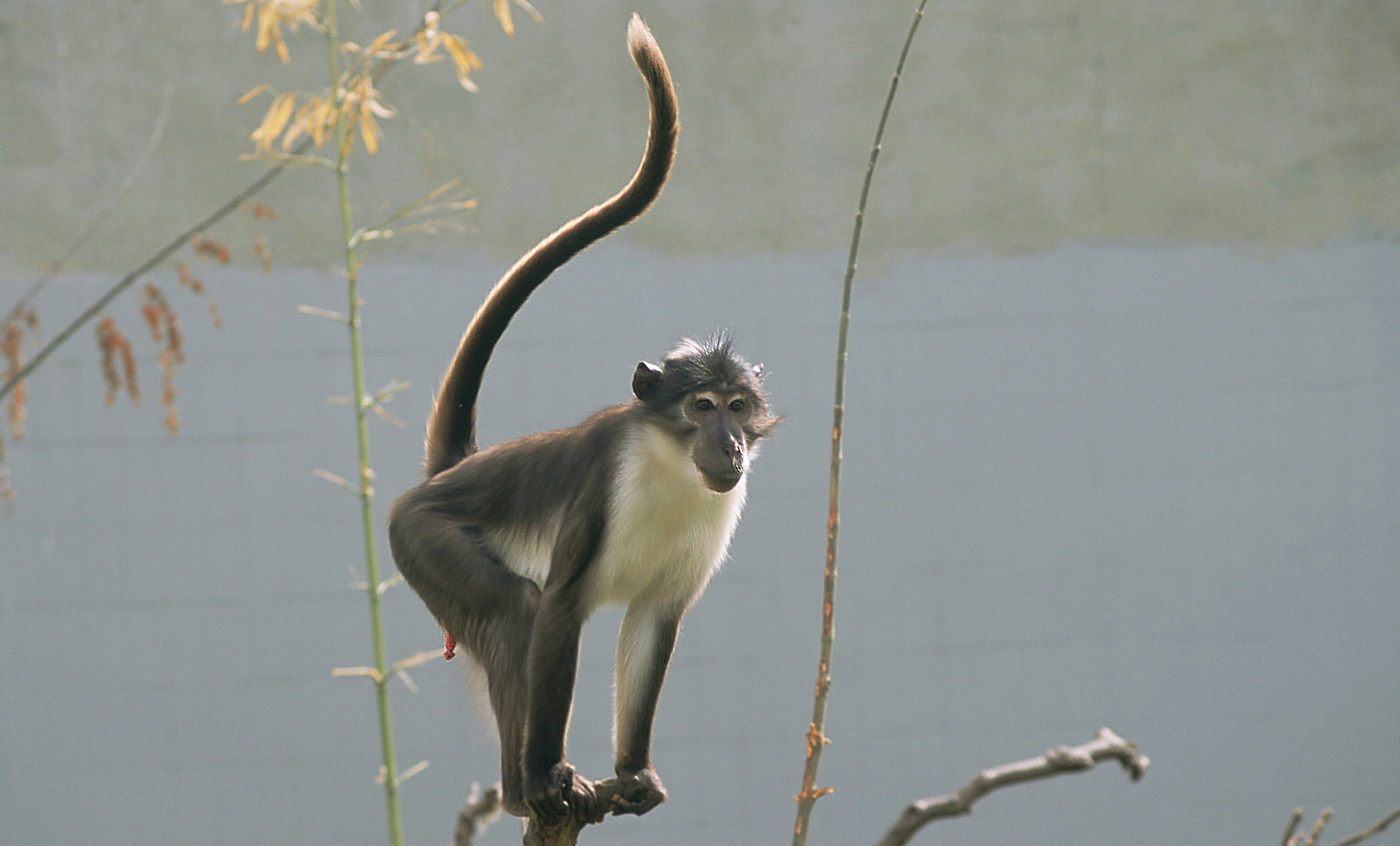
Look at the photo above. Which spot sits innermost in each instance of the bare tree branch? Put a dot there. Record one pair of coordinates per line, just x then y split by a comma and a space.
479, 811
1310, 839
565, 832
1370, 832
1062, 759
1292, 826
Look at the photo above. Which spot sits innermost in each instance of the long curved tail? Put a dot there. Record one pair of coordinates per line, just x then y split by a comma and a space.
452, 423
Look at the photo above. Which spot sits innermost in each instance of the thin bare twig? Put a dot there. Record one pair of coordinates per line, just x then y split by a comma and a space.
1062, 759
1292, 826
809, 793
1310, 839
1370, 832
52, 268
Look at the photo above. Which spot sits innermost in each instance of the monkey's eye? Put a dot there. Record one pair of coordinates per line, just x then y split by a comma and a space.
704, 404
736, 405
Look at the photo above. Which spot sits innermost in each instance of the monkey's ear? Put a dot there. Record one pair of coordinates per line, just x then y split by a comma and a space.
645, 380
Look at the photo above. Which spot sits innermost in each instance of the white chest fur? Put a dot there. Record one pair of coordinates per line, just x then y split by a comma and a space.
667, 533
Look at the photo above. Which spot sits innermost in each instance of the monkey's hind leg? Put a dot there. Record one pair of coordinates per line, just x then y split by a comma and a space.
486, 606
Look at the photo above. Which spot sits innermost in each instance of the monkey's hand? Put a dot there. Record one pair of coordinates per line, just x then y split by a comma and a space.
561, 793
641, 791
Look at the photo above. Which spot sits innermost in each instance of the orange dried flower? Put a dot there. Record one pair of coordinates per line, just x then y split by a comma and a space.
113, 345
206, 247
188, 279
12, 349
165, 326
261, 250
169, 359
259, 211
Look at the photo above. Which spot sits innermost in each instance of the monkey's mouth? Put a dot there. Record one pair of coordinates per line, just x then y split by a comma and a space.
725, 480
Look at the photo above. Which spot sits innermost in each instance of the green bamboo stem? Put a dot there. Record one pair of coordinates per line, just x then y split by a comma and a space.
362, 404
816, 737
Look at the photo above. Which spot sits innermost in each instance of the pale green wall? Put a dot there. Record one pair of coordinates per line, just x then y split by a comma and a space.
1020, 125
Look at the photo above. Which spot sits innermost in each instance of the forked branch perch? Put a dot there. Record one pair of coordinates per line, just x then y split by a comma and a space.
565, 832
1062, 759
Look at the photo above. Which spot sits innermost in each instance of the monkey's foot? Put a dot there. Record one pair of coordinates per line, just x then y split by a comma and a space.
638, 792
564, 793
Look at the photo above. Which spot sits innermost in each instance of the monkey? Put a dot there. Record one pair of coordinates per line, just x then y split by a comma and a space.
511, 547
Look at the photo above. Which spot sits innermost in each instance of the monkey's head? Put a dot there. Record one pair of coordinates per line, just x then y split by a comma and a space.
712, 397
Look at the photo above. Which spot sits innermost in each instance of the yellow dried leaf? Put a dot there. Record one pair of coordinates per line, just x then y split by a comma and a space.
248, 15
382, 41
251, 94
274, 121
378, 108
369, 133
502, 10
427, 50
267, 25
322, 118
298, 127
531, 10
465, 60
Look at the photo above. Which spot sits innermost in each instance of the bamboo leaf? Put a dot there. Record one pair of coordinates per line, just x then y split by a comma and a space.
274, 121
387, 392
463, 58
397, 421
413, 771
502, 10
367, 672
382, 41
525, 4
251, 94
415, 660
336, 480
314, 311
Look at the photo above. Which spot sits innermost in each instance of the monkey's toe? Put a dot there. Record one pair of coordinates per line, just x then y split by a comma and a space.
641, 791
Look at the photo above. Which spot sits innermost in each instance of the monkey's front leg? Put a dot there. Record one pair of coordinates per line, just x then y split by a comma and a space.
644, 648
553, 789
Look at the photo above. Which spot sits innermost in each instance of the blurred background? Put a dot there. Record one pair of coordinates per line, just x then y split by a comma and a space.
1121, 437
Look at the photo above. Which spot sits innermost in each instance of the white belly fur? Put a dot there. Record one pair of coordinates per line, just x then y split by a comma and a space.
667, 533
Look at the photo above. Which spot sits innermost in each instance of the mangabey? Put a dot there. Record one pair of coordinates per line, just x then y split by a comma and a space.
513, 546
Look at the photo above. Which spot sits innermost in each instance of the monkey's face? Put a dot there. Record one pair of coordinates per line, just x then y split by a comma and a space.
723, 435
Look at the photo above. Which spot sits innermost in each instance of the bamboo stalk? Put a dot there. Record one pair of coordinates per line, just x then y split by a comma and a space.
816, 737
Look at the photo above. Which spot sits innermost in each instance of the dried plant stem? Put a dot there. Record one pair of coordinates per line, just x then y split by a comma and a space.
816, 738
